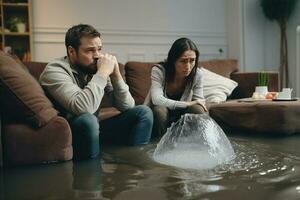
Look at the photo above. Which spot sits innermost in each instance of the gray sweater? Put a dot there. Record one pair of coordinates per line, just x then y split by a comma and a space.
157, 94
78, 92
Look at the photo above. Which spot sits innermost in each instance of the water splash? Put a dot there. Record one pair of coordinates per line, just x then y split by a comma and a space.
195, 141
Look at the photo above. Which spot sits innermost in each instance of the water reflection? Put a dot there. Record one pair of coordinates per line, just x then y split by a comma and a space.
130, 174
256, 167
196, 183
259, 172
87, 180
52, 181
67, 180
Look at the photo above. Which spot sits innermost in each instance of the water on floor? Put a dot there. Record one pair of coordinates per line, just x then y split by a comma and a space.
264, 168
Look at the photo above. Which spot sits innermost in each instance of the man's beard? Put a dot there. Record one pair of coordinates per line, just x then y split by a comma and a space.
87, 69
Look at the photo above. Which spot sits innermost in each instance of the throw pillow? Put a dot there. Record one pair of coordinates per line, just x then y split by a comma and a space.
21, 97
216, 88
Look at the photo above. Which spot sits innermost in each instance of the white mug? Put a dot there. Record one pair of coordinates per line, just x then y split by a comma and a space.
286, 93
287, 90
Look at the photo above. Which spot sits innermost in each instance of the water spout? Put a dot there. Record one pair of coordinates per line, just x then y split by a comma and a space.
195, 141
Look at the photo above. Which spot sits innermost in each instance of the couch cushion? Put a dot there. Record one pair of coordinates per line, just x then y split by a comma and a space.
138, 77
216, 88
22, 98
223, 67
35, 68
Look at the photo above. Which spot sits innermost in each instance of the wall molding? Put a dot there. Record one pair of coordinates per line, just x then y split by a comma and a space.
134, 32
125, 43
144, 45
55, 35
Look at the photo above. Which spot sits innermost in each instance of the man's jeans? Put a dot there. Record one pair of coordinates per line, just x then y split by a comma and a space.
133, 127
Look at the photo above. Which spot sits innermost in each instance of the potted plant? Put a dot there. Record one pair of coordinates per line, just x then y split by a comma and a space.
262, 83
16, 24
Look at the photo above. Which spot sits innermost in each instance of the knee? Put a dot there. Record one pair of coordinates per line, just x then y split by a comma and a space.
144, 112
86, 122
160, 112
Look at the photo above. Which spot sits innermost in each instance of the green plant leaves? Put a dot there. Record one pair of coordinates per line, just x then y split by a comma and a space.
278, 9
263, 79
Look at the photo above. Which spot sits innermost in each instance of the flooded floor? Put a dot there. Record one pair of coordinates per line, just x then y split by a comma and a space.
264, 168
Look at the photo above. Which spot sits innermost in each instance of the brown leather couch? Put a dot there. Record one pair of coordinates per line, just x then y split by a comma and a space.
32, 130
138, 78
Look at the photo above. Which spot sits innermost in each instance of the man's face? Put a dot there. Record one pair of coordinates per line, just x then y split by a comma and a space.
87, 55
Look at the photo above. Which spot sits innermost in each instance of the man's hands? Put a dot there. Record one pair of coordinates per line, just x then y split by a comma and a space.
116, 75
107, 65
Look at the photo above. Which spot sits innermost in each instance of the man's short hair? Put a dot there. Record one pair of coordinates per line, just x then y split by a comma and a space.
75, 33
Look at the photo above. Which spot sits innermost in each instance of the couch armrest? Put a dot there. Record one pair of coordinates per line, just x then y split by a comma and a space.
247, 81
26, 145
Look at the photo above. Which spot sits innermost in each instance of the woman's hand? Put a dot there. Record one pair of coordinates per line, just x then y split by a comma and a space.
190, 103
199, 102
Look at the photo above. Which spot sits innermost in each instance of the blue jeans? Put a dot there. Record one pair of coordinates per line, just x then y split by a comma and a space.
133, 127
85, 136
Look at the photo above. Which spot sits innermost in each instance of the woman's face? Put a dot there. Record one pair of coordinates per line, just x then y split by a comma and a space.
185, 63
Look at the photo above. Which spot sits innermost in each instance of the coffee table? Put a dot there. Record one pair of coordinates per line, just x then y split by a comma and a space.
272, 117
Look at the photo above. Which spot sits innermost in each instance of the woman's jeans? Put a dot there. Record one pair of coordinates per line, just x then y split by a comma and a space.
133, 127
163, 117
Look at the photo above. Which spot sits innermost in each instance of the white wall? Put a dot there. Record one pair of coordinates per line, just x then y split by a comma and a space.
253, 36
246, 34
132, 29
235, 35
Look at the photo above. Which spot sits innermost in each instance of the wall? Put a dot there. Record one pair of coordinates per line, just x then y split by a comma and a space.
253, 22
132, 29
246, 34
235, 30
255, 41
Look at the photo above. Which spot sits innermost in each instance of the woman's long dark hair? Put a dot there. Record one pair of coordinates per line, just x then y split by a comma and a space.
178, 48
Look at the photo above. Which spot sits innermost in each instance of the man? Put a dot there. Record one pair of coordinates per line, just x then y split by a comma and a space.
77, 83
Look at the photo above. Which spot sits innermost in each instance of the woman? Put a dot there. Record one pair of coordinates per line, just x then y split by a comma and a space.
176, 86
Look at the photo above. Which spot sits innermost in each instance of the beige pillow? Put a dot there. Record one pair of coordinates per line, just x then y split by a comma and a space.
216, 88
